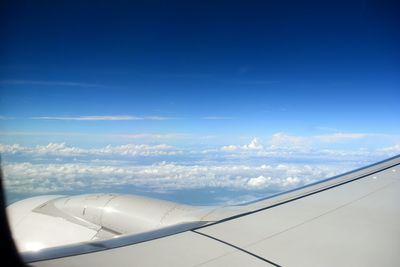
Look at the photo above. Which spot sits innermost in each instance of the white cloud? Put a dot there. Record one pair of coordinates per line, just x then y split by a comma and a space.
259, 181
136, 150
102, 118
291, 181
46, 178
340, 137
49, 149
307, 148
282, 144
58, 149
297, 150
248, 167
230, 148
395, 149
253, 145
61, 149
12, 149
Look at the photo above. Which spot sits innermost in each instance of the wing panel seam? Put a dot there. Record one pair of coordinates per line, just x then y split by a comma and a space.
238, 248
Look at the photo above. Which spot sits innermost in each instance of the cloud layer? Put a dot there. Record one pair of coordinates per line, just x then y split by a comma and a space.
47, 178
283, 162
61, 149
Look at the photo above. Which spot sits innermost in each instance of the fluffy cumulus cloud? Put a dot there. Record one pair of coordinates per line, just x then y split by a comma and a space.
259, 181
253, 145
283, 162
46, 178
279, 142
12, 149
282, 145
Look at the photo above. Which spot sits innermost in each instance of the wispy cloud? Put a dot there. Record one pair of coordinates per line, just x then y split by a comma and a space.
103, 118
51, 83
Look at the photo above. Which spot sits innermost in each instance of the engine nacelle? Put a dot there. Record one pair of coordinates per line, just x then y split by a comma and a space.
49, 221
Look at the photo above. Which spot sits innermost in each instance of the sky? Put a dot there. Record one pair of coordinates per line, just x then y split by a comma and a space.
201, 102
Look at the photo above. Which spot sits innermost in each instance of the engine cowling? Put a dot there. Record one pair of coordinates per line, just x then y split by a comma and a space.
49, 221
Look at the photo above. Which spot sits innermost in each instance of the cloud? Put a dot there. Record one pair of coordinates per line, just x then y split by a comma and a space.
47, 178
253, 145
340, 137
302, 148
103, 118
229, 148
61, 149
279, 142
136, 150
252, 167
393, 150
259, 181
12, 149
49, 149
282, 146
293, 144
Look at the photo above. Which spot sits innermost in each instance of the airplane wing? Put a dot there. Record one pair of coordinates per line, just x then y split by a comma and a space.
349, 220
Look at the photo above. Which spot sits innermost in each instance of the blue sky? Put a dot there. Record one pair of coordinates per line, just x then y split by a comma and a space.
201, 80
